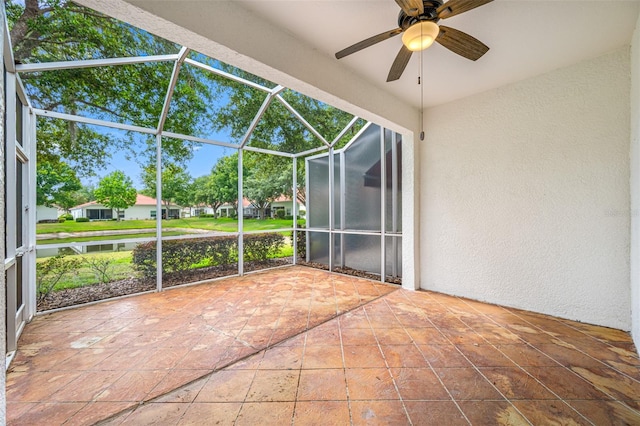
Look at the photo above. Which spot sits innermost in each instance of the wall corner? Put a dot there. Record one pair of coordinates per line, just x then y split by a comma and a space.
410, 212
634, 185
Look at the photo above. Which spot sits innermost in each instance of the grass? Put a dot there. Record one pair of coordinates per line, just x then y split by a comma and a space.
222, 224
121, 267
107, 237
70, 226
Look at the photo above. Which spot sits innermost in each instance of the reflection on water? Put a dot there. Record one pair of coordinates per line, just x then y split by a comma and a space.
79, 249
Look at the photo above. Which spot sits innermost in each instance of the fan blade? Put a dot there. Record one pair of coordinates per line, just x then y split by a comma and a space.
368, 42
399, 64
455, 7
461, 43
411, 7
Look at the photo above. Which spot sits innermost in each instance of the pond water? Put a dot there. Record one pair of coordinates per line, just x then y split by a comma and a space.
85, 249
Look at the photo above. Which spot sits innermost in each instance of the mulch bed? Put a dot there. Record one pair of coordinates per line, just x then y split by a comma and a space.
95, 292
350, 271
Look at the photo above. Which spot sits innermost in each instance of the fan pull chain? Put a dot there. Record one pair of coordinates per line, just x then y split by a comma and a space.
421, 98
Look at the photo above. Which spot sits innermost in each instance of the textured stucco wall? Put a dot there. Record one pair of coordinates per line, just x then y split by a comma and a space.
635, 185
525, 194
3, 296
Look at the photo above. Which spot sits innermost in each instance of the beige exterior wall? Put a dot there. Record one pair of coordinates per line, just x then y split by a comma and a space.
525, 194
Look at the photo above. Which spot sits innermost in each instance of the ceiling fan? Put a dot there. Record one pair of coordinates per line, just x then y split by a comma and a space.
418, 20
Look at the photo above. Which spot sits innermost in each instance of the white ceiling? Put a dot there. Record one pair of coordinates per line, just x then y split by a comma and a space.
526, 37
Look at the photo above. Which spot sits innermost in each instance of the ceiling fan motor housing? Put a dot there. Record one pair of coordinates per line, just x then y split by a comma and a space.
430, 14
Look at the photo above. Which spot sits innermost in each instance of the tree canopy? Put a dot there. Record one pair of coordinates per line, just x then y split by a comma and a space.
225, 178
202, 103
278, 128
116, 191
176, 184
218, 187
59, 30
57, 185
262, 189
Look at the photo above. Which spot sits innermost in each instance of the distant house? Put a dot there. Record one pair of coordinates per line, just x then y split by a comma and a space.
226, 210
47, 213
198, 210
144, 208
283, 203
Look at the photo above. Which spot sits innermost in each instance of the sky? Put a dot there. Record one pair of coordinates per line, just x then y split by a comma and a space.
204, 158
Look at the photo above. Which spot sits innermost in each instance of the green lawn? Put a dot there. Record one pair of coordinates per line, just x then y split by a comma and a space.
107, 237
120, 267
224, 225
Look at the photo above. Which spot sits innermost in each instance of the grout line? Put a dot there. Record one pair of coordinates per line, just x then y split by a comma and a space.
269, 346
515, 363
532, 345
393, 380
344, 372
304, 351
427, 361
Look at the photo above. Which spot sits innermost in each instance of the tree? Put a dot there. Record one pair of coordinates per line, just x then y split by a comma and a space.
278, 128
225, 179
262, 189
204, 192
60, 30
116, 191
85, 194
176, 184
56, 185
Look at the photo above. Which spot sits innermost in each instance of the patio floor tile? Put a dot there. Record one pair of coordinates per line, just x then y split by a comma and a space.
321, 413
272, 348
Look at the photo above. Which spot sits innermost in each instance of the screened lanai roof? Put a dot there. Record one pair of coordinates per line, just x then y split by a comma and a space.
274, 119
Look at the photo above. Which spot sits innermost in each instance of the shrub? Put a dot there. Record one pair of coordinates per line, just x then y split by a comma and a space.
184, 254
66, 216
101, 268
262, 246
48, 221
207, 215
181, 255
51, 271
82, 219
280, 214
61, 220
288, 218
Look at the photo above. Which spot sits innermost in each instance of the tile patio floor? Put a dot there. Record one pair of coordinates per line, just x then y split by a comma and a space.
303, 346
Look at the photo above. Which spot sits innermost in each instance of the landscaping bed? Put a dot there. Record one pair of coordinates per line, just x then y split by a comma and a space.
351, 271
95, 292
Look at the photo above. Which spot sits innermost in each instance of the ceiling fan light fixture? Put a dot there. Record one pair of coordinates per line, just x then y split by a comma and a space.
420, 35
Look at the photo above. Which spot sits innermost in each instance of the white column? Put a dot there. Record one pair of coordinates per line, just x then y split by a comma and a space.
240, 217
295, 210
383, 206
331, 212
159, 212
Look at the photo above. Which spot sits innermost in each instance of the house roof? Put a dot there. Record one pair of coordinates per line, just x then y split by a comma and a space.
141, 200
246, 203
282, 198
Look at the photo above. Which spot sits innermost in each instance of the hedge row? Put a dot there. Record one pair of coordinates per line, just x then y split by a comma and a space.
262, 246
185, 254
